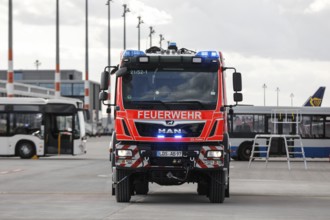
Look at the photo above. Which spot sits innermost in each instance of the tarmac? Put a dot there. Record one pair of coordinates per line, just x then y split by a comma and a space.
79, 187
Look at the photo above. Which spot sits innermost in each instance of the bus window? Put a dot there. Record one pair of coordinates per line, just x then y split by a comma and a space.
259, 124
305, 127
26, 123
64, 123
76, 127
271, 129
317, 127
3, 124
243, 123
289, 127
327, 127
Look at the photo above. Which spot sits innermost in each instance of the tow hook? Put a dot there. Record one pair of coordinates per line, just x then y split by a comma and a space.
171, 176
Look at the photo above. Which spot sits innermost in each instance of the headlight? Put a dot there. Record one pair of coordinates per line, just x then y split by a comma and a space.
214, 153
124, 153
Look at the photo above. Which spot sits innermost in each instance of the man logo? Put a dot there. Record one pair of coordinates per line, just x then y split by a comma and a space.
170, 122
316, 102
169, 131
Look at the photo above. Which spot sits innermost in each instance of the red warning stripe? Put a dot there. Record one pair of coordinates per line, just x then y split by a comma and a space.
201, 164
135, 151
213, 148
137, 163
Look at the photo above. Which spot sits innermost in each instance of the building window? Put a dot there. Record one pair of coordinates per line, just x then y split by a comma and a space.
78, 89
66, 89
18, 76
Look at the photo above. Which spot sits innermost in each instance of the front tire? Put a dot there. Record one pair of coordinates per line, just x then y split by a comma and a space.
26, 150
123, 188
217, 187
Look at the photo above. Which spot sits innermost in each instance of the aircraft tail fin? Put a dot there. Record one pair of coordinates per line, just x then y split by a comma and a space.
316, 99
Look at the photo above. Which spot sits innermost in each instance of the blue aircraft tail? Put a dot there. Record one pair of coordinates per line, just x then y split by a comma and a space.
316, 99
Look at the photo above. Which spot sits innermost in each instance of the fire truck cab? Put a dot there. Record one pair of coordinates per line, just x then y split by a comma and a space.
170, 115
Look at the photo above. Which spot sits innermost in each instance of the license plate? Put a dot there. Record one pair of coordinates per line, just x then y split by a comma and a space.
169, 153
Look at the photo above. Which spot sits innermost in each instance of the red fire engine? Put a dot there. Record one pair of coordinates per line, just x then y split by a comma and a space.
170, 116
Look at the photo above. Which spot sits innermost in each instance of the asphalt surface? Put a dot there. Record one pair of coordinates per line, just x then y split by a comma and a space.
79, 188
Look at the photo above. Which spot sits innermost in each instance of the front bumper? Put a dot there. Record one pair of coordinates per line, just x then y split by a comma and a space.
146, 158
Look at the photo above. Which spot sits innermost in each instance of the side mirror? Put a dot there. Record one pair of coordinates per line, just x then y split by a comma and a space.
108, 110
105, 78
103, 95
237, 82
121, 72
238, 97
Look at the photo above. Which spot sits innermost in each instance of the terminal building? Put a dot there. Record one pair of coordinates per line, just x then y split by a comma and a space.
40, 83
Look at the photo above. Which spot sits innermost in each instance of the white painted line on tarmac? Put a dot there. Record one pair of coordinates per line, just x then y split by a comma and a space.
10, 171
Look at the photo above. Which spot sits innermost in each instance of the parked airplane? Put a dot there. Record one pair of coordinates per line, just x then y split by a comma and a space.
316, 99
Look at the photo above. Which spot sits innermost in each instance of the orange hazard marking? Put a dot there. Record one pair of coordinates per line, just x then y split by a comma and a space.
57, 68
10, 54
86, 92
10, 77
57, 86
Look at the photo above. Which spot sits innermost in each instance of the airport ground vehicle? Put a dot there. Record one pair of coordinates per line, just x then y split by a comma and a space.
170, 121
36, 126
247, 121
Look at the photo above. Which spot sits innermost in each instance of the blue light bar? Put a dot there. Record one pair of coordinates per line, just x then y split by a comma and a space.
133, 53
177, 136
172, 44
161, 136
208, 54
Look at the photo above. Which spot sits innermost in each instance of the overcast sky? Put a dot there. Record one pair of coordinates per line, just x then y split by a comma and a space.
282, 43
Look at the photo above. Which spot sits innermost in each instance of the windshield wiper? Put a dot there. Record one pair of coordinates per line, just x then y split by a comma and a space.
151, 102
188, 102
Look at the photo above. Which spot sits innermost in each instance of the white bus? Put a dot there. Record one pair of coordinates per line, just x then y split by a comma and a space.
37, 126
247, 121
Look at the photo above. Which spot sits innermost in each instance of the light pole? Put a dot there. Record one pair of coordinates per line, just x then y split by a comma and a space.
109, 33
109, 48
291, 96
57, 70
86, 59
152, 31
138, 26
264, 86
10, 73
126, 9
37, 63
161, 38
277, 91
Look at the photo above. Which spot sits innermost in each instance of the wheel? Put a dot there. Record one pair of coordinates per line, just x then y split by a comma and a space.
226, 144
227, 194
113, 148
244, 151
142, 188
123, 188
217, 187
202, 189
26, 150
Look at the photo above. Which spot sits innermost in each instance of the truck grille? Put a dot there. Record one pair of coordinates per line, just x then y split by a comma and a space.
184, 130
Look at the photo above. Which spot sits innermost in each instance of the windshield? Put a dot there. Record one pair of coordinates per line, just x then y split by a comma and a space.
173, 90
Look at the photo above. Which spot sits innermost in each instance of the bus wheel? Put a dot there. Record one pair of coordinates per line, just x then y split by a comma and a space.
123, 186
25, 150
244, 151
